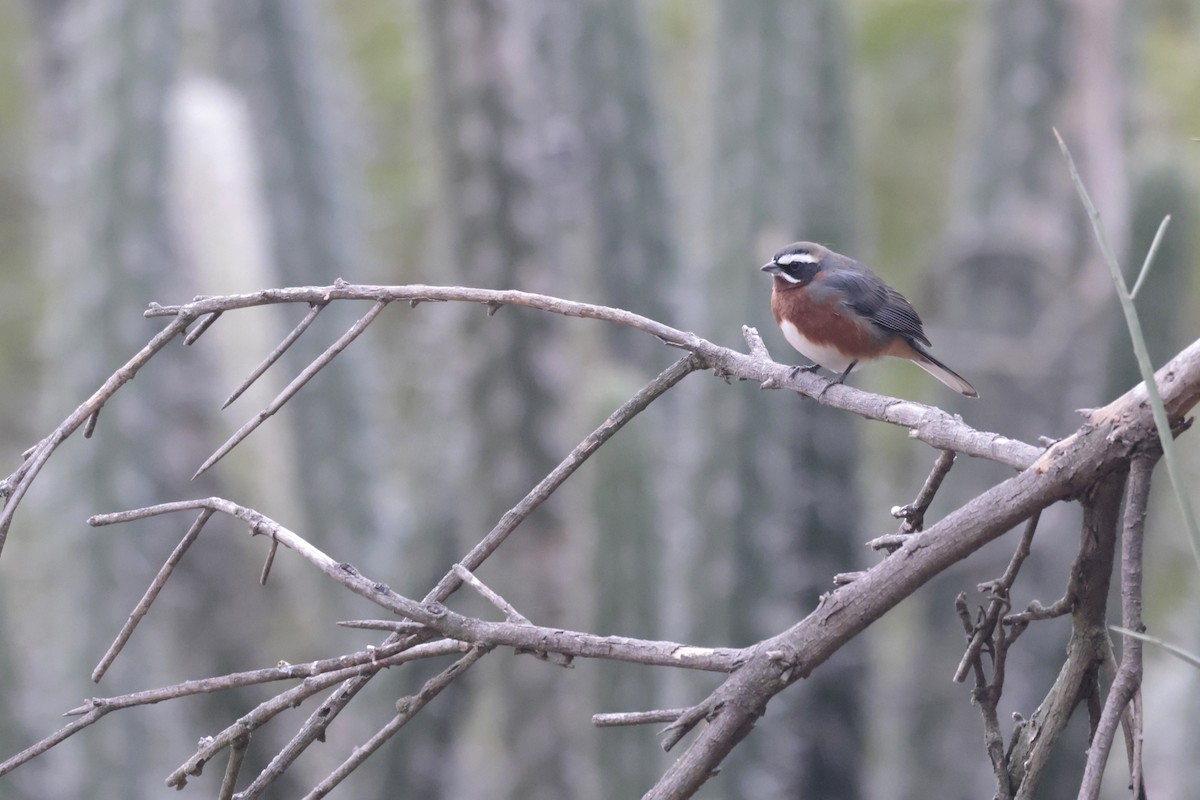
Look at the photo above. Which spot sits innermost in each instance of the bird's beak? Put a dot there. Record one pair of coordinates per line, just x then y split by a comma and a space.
772, 268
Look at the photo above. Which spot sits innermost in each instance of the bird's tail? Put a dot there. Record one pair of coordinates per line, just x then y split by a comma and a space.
940, 371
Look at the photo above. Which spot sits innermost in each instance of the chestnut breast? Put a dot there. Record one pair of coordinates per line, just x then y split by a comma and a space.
829, 332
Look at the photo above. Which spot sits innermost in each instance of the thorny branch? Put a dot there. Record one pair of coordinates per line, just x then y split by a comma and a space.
1070, 468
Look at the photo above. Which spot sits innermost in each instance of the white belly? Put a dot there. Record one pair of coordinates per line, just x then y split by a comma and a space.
826, 356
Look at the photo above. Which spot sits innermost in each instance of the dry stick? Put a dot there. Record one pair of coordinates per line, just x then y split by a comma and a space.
394, 626
999, 590
489, 594
16, 485
160, 580
913, 514
407, 708
316, 723
96, 708
510, 613
656, 717
449, 623
237, 754
275, 354
63, 733
266, 711
393, 656
538, 494
433, 615
267, 562
930, 425
297, 383
1105, 443
1129, 675
986, 695
1077, 680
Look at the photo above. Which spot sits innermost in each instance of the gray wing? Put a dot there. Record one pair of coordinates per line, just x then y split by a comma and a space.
871, 297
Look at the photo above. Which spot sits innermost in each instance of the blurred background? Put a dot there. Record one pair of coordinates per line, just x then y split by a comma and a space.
649, 154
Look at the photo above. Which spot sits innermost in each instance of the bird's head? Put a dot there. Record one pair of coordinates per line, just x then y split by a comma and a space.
798, 263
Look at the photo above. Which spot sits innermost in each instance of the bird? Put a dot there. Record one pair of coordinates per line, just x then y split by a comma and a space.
839, 313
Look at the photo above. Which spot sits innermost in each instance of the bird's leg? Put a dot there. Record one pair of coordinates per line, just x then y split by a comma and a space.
839, 379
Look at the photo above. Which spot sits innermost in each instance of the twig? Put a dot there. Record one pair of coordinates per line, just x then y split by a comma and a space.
406, 709
510, 613
758, 349
997, 638
96, 708
378, 656
272, 549
266, 711
434, 615
1087, 650
237, 754
275, 354
316, 723
623, 718
63, 733
928, 424
297, 383
538, 494
493, 597
18, 483
143, 606
913, 514
999, 590
396, 626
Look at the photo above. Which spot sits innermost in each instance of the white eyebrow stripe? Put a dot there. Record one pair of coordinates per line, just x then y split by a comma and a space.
796, 258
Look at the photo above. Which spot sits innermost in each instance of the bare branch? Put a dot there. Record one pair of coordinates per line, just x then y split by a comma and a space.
237, 754
50, 741
1077, 681
1128, 679
1000, 603
14, 487
930, 425
315, 725
618, 719
1070, 467
468, 577
913, 514
160, 580
437, 617
406, 708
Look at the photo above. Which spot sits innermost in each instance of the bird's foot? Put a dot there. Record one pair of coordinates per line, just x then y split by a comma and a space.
805, 368
840, 379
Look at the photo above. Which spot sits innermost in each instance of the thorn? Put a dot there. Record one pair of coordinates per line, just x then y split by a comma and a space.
89, 427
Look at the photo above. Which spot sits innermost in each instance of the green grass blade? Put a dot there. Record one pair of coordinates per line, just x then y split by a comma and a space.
1170, 648
1174, 468
1137, 285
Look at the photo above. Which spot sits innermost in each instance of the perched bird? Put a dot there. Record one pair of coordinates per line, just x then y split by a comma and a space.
839, 313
